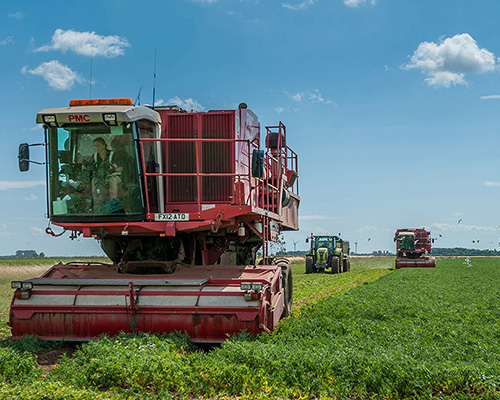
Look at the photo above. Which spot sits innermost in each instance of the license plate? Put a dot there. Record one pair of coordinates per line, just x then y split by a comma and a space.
172, 217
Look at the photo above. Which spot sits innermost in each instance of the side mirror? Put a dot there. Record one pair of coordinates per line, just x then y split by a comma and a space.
258, 163
24, 157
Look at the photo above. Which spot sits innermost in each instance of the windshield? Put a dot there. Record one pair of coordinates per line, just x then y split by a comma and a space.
325, 242
406, 241
94, 171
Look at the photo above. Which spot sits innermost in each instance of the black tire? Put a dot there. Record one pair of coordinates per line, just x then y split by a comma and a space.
287, 283
310, 265
279, 260
335, 265
348, 263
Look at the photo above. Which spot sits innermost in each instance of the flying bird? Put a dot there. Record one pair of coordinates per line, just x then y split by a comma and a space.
440, 235
369, 238
460, 220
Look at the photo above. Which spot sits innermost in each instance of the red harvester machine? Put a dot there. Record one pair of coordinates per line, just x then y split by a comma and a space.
181, 202
413, 248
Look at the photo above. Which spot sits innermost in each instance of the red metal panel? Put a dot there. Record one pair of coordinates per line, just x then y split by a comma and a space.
195, 156
86, 326
181, 157
218, 157
61, 317
423, 262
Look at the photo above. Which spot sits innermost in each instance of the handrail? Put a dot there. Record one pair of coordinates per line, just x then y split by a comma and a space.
263, 193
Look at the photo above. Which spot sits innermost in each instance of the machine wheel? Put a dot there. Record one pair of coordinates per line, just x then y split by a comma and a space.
310, 265
345, 265
287, 283
348, 265
335, 265
280, 261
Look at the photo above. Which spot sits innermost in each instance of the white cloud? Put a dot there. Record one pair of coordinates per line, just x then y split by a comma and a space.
57, 75
31, 197
186, 104
321, 231
490, 183
35, 231
490, 97
300, 6
317, 97
313, 217
7, 40
4, 232
356, 3
445, 63
371, 228
312, 96
17, 15
205, 1
6, 185
87, 44
368, 228
288, 109
461, 228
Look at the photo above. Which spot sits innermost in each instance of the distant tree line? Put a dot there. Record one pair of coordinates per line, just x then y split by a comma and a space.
26, 254
457, 251
382, 253
460, 251
296, 253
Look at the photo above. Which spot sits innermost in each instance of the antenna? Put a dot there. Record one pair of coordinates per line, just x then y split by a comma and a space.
91, 59
154, 81
138, 99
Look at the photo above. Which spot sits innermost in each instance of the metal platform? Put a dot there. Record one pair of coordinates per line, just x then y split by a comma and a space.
423, 262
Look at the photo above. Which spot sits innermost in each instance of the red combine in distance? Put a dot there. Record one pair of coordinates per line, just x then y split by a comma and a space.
181, 202
413, 247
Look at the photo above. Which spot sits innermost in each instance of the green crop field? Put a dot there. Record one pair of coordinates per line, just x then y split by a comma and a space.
369, 333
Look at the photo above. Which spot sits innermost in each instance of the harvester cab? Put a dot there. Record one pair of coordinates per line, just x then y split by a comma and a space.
94, 163
330, 252
413, 248
181, 202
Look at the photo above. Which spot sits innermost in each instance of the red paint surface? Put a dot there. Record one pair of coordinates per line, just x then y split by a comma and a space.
202, 323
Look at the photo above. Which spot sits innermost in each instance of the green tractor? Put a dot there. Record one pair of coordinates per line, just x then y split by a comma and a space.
327, 252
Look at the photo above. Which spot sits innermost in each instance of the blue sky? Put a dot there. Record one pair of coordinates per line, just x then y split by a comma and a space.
392, 105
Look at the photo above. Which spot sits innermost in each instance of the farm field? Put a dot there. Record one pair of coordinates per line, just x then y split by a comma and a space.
368, 333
